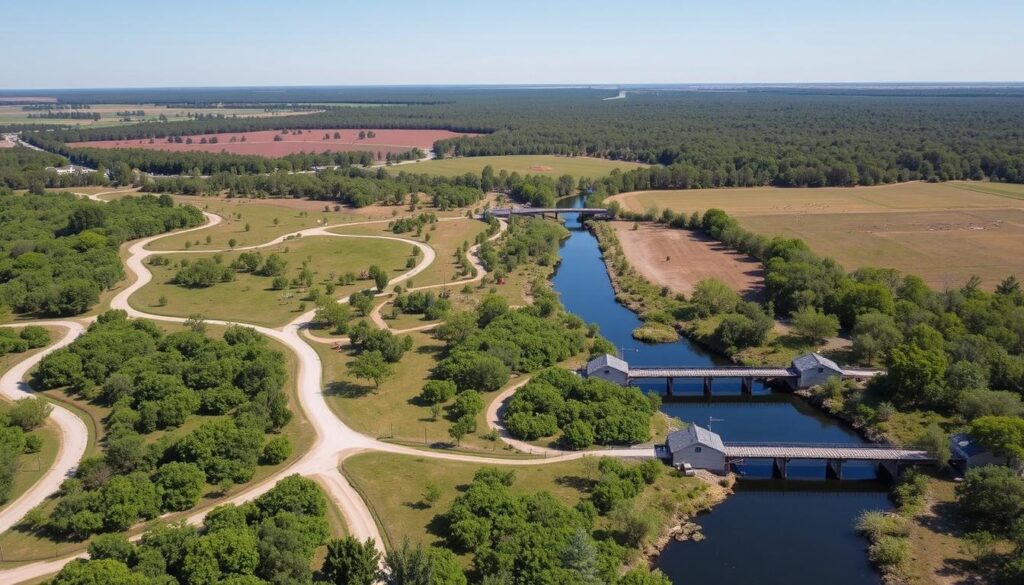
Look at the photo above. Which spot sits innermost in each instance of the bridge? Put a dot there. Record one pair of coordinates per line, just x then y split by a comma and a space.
703, 449
584, 212
803, 372
888, 457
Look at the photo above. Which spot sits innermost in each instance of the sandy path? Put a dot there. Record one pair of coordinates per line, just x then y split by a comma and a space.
334, 441
74, 435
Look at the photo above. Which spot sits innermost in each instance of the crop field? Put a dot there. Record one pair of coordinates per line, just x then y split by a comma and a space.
942, 232
549, 165
263, 143
14, 114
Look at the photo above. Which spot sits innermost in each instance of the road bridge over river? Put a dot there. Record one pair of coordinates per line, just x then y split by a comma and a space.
804, 372
584, 212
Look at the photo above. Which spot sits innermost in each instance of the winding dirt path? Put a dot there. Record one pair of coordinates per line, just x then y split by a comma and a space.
334, 442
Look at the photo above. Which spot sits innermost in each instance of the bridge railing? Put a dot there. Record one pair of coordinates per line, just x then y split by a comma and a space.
877, 446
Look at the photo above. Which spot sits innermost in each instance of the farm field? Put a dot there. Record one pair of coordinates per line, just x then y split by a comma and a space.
942, 232
549, 165
679, 259
262, 143
250, 299
14, 114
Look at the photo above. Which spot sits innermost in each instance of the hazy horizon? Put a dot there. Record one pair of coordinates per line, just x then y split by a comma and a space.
457, 42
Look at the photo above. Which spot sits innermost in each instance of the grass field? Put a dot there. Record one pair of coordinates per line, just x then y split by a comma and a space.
942, 232
445, 239
393, 486
549, 165
250, 299
108, 114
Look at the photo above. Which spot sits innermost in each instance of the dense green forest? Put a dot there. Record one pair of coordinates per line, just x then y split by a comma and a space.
154, 381
743, 138
58, 252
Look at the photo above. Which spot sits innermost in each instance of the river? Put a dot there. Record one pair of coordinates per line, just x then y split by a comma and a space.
794, 532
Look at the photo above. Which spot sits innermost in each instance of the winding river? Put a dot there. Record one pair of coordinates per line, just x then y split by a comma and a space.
793, 532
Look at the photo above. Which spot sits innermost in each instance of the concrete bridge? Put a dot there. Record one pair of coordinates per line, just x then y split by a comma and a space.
584, 212
803, 372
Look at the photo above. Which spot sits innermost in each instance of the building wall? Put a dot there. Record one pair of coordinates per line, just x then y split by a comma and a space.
611, 375
815, 377
700, 457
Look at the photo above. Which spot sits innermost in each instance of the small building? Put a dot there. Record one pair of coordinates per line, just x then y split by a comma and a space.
697, 446
966, 453
813, 369
610, 368
70, 170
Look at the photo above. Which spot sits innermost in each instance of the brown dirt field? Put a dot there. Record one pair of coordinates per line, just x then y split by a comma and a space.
692, 259
262, 143
942, 232
540, 168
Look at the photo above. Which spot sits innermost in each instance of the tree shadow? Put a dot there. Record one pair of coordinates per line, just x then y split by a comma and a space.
420, 505
347, 389
577, 482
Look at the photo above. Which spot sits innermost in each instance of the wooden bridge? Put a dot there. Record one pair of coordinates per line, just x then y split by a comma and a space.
747, 375
803, 372
584, 212
888, 457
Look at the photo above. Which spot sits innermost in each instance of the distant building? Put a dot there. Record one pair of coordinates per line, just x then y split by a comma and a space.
70, 170
610, 368
814, 369
966, 453
697, 446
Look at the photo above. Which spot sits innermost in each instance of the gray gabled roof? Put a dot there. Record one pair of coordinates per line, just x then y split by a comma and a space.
607, 361
964, 446
694, 435
813, 361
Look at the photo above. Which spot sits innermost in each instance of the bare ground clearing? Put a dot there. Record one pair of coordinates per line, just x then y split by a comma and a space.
679, 259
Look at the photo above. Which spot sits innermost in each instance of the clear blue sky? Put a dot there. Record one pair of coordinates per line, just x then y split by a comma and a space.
117, 43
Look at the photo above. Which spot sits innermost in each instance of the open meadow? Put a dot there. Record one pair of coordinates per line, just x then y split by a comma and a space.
942, 232
544, 164
15, 114
250, 298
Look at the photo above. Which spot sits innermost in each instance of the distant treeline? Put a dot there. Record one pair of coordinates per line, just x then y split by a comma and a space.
66, 115
716, 139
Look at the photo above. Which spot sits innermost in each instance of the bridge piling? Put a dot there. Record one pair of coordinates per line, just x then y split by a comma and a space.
834, 469
747, 385
707, 385
668, 386
780, 468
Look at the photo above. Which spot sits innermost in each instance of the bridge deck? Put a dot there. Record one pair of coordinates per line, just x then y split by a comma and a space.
710, 372
861, 372
538, 210
824, 451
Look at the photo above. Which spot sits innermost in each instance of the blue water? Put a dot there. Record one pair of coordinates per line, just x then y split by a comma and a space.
792, 532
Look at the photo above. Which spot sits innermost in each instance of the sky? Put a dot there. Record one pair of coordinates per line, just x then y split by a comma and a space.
121, 43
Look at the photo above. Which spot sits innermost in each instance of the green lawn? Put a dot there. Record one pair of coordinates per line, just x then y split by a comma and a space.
249, 298
445, 239
548, 165
393, 487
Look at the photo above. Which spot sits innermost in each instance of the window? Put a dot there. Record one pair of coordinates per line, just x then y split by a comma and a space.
696, 449
821, 370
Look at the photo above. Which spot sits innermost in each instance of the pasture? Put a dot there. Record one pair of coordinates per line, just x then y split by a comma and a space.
942, 232
14, 114
548, 165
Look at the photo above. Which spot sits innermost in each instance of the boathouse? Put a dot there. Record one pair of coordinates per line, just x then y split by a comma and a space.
610, 368
813, 369
697, 446
966, 453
